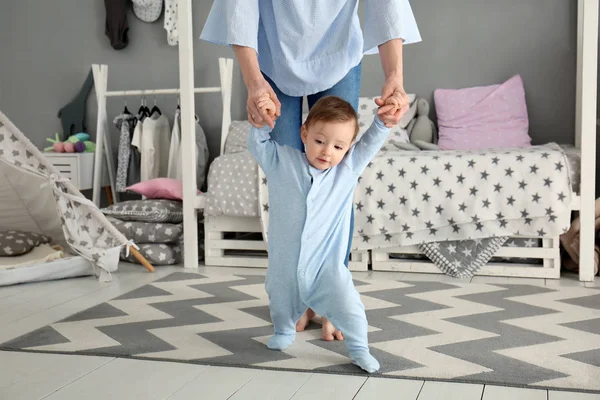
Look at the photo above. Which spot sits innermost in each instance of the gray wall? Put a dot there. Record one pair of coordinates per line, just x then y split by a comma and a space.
48, 46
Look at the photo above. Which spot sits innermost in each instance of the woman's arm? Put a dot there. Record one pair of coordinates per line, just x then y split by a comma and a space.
390, 53
390, 24
236, 23
393, 101
248, 60
256, 85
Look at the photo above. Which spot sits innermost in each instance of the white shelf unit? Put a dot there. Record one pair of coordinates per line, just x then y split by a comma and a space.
78, 167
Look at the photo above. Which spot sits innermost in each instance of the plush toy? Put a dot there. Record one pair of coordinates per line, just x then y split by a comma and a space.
72, 115
77, 143
421, 130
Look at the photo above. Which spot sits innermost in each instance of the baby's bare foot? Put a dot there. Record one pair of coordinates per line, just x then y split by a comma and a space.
329, 333
304, 320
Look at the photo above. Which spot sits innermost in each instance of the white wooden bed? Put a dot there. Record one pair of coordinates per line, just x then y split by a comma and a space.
224, 249
237, 241
548, 254
221, 251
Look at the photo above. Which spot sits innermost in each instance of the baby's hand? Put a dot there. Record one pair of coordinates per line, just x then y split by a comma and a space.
389, 119
393, 108
264, 103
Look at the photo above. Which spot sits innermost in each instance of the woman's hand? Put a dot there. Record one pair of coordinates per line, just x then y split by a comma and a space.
393, 103
259, 116
257, 86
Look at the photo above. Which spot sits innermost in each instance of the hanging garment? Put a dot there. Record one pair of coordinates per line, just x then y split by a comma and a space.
115, 25
171, 22
147, 10
175, 157
133, 175
135, 161
125, 123
174, 169
202, 154
153, 142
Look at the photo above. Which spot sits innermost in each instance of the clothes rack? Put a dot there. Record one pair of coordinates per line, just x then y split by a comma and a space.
143, 92
191, 201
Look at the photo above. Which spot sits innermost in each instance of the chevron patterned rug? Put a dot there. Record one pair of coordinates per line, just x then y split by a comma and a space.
518, 335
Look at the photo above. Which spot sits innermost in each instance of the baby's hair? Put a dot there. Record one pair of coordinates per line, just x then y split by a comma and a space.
332, 109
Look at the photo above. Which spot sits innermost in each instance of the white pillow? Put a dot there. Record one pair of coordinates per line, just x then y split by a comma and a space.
237, 138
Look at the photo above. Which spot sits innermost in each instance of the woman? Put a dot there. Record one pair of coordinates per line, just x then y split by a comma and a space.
295, 48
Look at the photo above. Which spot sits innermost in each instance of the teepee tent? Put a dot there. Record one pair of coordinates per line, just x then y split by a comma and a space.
36, 202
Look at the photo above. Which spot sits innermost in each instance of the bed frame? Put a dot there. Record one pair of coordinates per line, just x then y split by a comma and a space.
237, 241
547, 260
225, 247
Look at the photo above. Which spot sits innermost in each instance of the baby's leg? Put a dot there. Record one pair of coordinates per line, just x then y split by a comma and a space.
305, 319
329, 333
336, 298
285, 307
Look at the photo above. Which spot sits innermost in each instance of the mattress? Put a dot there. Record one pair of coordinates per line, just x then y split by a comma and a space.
233, 181
574, 157
70, 266
38, 255
67, 267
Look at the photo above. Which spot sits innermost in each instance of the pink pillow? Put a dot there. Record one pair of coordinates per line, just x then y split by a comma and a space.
159, 188
483, 117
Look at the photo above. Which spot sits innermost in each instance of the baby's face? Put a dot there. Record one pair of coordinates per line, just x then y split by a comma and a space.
327, 142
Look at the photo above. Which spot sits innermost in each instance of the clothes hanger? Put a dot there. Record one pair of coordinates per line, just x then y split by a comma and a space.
146, 109
125, 109
143, 112
155, 108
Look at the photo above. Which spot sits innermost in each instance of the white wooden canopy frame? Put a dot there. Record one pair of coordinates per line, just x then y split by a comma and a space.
585, 126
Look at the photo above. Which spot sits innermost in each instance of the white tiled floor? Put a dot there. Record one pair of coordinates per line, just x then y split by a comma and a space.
26, 376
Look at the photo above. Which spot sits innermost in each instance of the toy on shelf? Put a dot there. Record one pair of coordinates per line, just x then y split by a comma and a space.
78, 143
72, 115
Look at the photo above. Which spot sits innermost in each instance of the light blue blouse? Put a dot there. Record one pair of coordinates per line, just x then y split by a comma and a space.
307, 46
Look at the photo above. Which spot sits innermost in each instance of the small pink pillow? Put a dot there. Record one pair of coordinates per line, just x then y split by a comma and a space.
159, 188
483, 117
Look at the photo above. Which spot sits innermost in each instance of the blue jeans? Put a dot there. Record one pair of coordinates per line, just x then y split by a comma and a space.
287, 128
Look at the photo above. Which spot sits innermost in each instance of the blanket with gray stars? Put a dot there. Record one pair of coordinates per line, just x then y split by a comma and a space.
405, 198
458, 206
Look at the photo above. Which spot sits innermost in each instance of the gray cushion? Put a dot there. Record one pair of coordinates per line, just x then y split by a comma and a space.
156, 210
237, 138
15, 243
156, 253
148, 232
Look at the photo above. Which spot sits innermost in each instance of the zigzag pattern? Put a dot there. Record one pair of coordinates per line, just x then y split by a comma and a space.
509, 334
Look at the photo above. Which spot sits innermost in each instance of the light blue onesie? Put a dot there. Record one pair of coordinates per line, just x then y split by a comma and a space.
309, 227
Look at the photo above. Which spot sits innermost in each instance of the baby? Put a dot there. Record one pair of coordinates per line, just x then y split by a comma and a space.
310, 197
